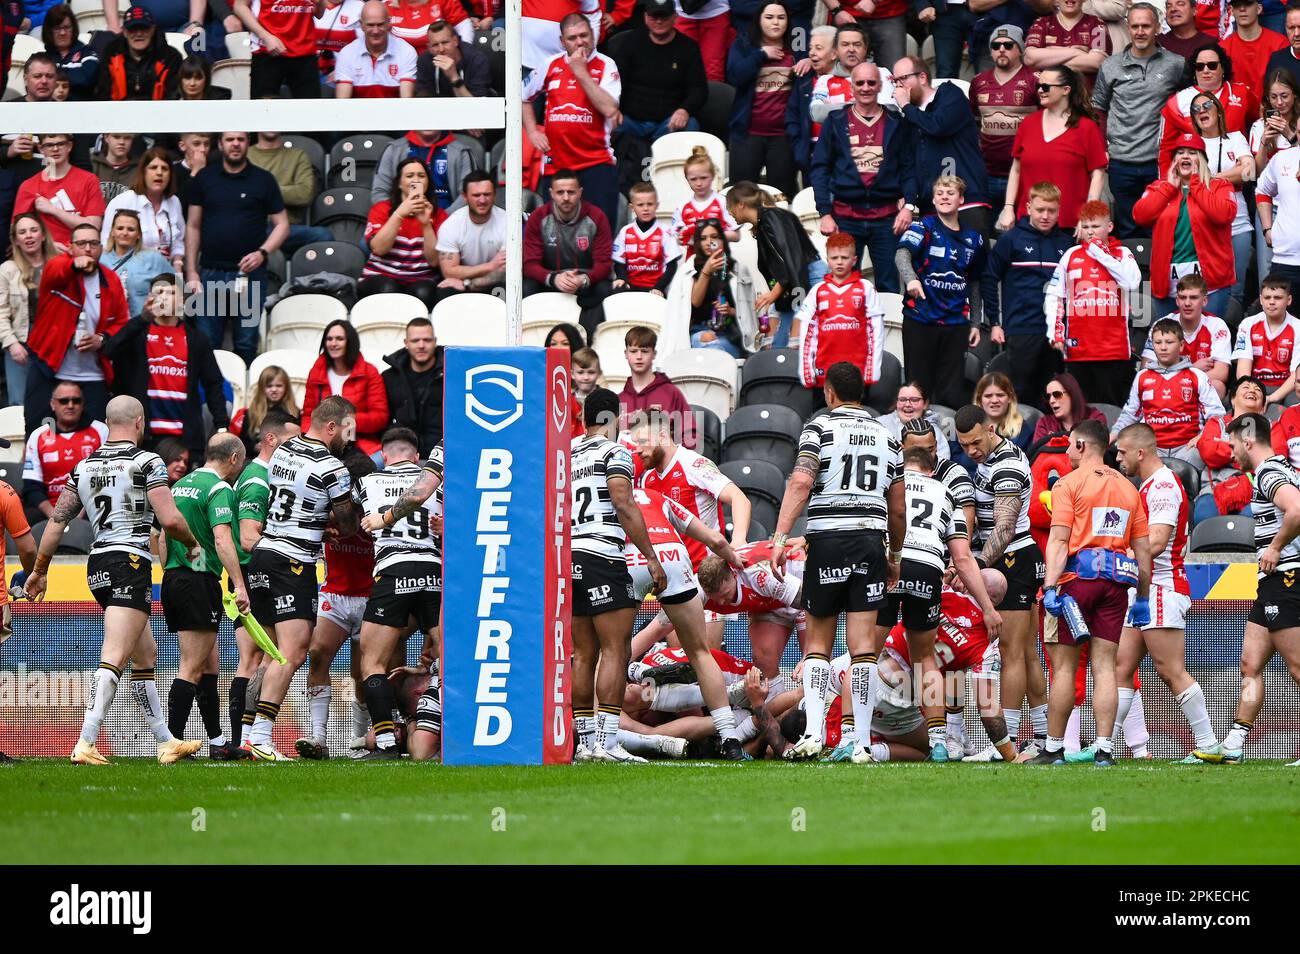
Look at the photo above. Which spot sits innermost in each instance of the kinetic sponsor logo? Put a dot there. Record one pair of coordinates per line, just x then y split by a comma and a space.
406, 585
834, 574
96, 581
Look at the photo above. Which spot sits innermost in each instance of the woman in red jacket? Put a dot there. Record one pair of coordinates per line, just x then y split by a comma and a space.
1190, 216
341, 370
1208, 71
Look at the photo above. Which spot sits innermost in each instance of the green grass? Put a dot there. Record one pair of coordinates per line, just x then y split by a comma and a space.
340, 812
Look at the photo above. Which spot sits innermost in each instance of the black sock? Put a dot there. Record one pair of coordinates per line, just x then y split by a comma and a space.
180, 700
210, 704
380, 699
238, 687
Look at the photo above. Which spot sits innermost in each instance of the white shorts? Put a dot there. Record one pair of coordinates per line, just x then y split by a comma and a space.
677, 567
1168, 608
894, 721
345, 612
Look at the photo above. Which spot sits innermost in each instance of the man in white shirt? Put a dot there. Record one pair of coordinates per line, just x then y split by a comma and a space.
375, 65
1278, 198
472, 242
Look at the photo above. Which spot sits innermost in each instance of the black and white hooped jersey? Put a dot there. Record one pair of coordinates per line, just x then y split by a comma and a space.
306, 480
113, 484
957, 479
596, 529
1270, 476
858, 461
1005, 473
411, 539
933, 518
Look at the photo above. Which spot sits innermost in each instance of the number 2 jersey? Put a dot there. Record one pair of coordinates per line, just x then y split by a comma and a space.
411, 539
1004, 473
596, 530
933, 518
857, 462
305, 481
113, 484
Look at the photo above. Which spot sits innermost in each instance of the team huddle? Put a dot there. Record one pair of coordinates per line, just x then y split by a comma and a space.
936, 570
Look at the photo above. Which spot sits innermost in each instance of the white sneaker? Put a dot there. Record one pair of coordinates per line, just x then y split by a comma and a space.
861, 755
581, 754
808, 747
736, 694
673, 748
1295, 764
956, 748
989, 754
268, 753
358, 744
616, 754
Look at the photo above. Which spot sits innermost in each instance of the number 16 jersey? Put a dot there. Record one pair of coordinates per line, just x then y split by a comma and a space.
857, 462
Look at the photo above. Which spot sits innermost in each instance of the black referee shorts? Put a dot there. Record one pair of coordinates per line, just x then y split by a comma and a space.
191, 601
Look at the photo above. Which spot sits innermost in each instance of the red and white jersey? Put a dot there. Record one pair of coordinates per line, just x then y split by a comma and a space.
349, 565
336, 27
1213, 17
962, 639
578, 133
1176, 402
1210, 339
758, 590
1240, 108
665, 520
646, 254
1165, 501
695, 210
667, 656
375, 77
694, 482
1087, 301
292, 22
833, 90
411, 21
52, 454
1271, 351
841, 322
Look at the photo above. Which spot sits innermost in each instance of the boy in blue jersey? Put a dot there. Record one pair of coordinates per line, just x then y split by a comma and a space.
938, 263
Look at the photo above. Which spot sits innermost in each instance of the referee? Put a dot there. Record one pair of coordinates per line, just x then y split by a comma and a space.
849, 473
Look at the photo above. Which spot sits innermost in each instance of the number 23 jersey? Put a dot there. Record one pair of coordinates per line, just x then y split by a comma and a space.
857, 462
305, 481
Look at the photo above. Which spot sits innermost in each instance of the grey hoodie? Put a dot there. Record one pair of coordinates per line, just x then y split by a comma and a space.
1207, 397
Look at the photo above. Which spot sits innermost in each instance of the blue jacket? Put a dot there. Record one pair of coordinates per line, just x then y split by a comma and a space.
1013, 12
947, 263
835, 175
798, 122
947, 141
1019, 266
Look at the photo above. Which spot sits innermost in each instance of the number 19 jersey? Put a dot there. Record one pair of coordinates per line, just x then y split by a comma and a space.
596, 529
113, 484
305, 481
857, 462
411, 539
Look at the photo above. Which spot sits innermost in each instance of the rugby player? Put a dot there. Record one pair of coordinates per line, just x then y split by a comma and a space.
191, 588
1165, 501
121, 488
1003, 542
848, 474
408, 570
772, 602
1274, 622
252, 497
307, 485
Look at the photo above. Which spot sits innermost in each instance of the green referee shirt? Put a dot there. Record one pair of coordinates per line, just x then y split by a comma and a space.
253, 499
205, 501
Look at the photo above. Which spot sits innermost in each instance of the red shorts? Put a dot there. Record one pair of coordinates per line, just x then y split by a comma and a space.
1104, 604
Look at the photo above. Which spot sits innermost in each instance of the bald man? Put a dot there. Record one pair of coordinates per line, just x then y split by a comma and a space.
121, 487
376, 65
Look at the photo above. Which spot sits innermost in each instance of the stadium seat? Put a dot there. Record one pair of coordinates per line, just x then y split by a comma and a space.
1031, 415
1000, 363
1110, 411
314, 150
757, 530
881, 395
381, 320
471, 319
344, 212
14, 429
715, 115
804, 205
746, 251
709, 432
1188, 476
972, 369
77, 538
1141, 249
235, 371
946, 416
668, 157
299, 320
1223, 535
24, 46
706, 376
340, 257
234, 75
11, 472
177, 42
1273, 412
763, 483
353, 159
535, 332
763, 432
554, 307
297, 364
635, 308
238, 45
772, 377
613, 362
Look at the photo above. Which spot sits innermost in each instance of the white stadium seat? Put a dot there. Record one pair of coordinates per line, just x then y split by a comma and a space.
635, 308
381, 320
177, 42
893, 305
668, 157
13, 427
706, 376
299, 320
24, 46
746, 251
235, 371
534, 332
239, 45
472, 319
297, 364
234, 75
804, 205
554, 307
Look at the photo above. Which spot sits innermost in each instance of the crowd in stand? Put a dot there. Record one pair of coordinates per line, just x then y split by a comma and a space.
1105, 211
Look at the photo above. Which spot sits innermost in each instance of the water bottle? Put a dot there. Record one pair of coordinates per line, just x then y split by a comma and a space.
718, 320
1074, 618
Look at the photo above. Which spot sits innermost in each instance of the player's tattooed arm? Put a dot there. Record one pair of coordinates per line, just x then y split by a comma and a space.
67, 507
65, 510
1006, 511
411, 501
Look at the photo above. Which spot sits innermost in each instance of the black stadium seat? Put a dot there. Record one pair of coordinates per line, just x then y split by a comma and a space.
1031, 415
763, 483
772, 377
715, 116
344, 211
709, 430
314, 150
763, 432
882, 394
353, 159
1224, 535
1110, 411
340, 257
1188, 476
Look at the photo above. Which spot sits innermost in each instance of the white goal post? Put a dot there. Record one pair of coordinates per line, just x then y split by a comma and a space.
313, 115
